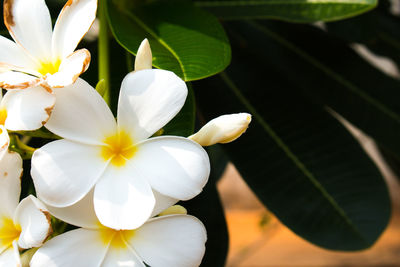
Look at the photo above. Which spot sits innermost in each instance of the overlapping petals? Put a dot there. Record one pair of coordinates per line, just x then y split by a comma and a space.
24, 110
10, 183
39, 53
4, 141
24, 225
27, 109
165, 241
116, 159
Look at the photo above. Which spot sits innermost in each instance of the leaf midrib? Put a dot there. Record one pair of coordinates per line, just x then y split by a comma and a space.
297, 162
328, 71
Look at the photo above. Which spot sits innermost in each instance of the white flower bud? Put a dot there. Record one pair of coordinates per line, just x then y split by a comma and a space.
223, 129
144, 59
176, 209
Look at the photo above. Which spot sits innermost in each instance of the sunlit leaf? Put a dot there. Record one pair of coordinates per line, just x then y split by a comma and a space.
183, 38
288, 10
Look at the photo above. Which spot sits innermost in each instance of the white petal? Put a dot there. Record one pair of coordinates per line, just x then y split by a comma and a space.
123, 200
70, 69
121, 257
4, 141
10, 257
10, 183
18, 80
171, 241
144, 59
80, 214
64, 172
148, 100
223, 129
34, 220
162, 203
29, 23
174, 166
13, 54
72, 24
78, 248
28, 109
81, 115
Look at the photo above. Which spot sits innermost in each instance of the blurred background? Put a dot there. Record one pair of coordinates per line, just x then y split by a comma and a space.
258, 239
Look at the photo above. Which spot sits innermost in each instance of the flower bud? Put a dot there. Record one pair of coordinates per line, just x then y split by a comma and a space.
144, 59
176, 209
223, 129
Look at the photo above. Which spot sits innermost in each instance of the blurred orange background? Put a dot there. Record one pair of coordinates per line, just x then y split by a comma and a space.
258, 239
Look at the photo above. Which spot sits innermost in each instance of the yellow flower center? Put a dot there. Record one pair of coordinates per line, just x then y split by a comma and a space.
3, 116
49, 66
119, 148
118, 238
8, 232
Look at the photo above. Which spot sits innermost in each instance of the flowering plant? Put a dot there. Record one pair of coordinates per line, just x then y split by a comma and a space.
110, 113
115, 179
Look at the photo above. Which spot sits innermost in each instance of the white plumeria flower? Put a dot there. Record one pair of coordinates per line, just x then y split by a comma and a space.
119, 160
165, 241
41, 54
24, 225
224, 129
23, 110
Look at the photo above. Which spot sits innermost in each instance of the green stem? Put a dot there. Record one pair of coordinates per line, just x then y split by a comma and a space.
24, 150
104, 58
41, 133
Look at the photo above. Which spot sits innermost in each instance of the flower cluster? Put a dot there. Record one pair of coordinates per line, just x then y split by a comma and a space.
111, 178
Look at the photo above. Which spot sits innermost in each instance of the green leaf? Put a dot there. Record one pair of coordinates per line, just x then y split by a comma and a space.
183, 123
378, 30
184, 39
208, 208
337, 77
288, 10
300, 161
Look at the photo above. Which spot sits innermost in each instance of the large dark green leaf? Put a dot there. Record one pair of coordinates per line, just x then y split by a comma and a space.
378, 30
289, 10
184, 39
207, 207
333, 75
299, 160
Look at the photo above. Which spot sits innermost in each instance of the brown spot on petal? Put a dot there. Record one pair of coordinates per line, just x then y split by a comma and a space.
48, 217
8, 16
85, 65
48, 111
23, 85
87, 60
5, 173
47, 87
4, 146
69, 3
